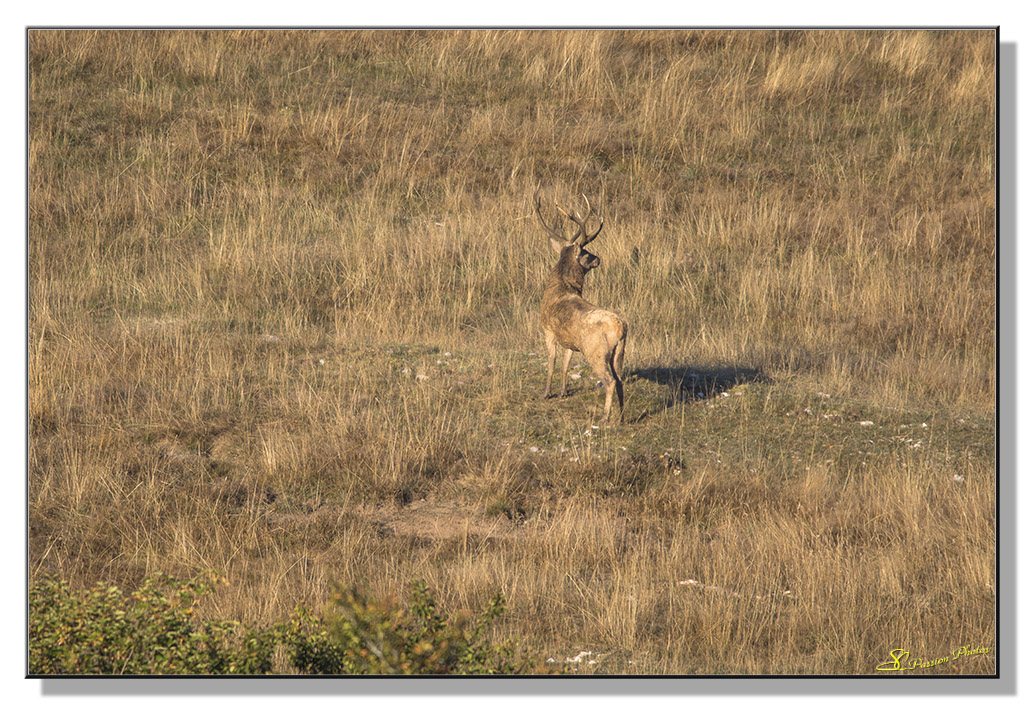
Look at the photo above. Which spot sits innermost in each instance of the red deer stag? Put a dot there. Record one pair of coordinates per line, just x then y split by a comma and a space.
568, 320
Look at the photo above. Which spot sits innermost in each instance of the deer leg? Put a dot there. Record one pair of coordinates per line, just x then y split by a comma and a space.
566, 356
618, 392
600, 358
549, 340
615, 385
611, 385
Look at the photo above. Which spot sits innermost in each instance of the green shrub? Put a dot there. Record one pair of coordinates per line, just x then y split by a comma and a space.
157, 630
154, 630
372, 636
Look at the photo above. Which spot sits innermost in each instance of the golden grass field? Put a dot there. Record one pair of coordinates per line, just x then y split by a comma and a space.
283, 324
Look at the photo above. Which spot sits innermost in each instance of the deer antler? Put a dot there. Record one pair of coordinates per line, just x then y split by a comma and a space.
581, 222
553, 231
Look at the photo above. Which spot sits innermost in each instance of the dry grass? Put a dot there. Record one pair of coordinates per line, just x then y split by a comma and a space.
246, 247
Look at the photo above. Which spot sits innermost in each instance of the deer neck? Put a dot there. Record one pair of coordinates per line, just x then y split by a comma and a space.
565, 281
567, 276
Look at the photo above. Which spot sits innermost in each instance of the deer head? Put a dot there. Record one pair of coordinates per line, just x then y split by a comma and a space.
574, 248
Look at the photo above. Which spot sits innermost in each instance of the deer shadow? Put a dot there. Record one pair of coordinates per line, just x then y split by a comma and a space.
691, 384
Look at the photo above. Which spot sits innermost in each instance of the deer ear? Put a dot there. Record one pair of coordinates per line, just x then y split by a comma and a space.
557, 244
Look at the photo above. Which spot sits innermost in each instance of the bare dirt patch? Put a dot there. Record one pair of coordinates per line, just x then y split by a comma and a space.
438, 520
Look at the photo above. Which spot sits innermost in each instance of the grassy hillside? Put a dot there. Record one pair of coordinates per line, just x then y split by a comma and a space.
283, 324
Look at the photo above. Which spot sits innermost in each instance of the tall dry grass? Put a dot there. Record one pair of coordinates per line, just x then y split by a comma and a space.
245, 247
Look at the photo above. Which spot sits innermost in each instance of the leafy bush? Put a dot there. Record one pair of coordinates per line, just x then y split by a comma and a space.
156, 630
366, 635
151, 631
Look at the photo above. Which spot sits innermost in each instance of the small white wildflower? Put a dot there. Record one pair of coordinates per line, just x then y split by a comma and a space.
725, 394
447, 354
594, 427
924, 425
808, 410
574, 376
586, 432
552, 660
867, 422
534, 449
961, 421
321, 362
958, 478
422, 377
